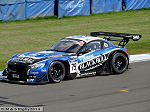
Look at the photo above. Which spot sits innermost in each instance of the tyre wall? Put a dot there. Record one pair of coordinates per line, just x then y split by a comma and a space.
12, 10
137, 4
73, 7
103, 6
39, 8
23, 9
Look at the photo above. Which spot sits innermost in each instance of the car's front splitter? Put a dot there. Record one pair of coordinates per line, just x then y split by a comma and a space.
4, 79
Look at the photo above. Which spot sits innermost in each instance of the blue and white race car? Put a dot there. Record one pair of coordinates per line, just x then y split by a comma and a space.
72, 57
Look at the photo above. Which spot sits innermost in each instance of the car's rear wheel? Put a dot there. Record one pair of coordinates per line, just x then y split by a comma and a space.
56, 72
119, 63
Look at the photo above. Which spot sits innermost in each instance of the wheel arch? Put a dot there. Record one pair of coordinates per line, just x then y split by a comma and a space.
66, 65
68, 75
109, 68
61, 62
118, 51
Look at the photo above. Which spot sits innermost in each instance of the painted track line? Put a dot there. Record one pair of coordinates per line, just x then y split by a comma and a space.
133, 59
1, 75
139, 57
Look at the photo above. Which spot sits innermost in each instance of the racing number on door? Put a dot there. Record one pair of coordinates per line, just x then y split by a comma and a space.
73, 67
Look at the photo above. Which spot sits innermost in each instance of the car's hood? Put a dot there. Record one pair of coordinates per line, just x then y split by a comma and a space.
33, 57
43, 54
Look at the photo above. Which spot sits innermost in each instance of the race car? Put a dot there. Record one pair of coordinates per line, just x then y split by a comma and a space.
72, 57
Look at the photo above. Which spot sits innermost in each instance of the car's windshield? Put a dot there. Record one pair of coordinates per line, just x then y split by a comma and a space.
67, 45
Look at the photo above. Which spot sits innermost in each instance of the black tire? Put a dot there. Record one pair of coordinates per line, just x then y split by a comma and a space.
56, 72
119, 63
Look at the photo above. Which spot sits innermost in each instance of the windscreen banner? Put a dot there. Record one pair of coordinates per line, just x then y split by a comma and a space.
103, 6
73, 7
12, 10
39, 8
137, 4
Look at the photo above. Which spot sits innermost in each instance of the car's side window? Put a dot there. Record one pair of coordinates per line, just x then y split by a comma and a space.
92, 46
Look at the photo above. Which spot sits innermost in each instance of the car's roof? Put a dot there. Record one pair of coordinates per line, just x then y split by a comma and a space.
84, 38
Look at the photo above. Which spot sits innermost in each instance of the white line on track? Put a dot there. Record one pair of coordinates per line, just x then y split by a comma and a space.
139, 57
1, 75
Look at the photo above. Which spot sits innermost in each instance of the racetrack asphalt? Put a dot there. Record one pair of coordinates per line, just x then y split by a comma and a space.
128, 92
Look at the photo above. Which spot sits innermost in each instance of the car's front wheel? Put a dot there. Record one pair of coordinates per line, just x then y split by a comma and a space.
119, 63
56, 71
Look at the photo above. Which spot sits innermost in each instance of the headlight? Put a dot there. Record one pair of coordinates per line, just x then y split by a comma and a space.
36, 65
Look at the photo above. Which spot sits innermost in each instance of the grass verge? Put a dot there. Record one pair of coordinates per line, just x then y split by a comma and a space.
39, 34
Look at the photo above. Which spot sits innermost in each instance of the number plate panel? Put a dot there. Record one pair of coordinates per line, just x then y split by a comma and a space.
15, 76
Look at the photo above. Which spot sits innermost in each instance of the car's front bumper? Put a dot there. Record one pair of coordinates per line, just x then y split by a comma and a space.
2, 77
5, 79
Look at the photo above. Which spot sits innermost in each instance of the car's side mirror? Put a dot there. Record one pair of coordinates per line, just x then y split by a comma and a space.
82, 52
88, 50
85, 51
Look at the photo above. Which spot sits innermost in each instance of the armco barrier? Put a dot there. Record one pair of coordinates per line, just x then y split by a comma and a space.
73, 7
103, 6
39, 8
12, 10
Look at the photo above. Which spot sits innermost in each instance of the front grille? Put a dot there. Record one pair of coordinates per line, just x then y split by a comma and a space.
17, 68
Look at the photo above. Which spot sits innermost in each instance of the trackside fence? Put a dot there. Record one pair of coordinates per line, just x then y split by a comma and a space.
23, 9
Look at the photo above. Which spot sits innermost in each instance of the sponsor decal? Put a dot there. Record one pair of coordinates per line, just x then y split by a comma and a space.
43, 70
34, 73
72, 7
87, 58
31, 76
81, 43
73, 57
41, 52
106, 45
136, 37
93, 63
90, 73
22, 59
30, 80
30, 56
27, 59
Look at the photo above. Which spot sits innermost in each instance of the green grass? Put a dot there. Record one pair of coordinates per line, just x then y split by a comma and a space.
39, 34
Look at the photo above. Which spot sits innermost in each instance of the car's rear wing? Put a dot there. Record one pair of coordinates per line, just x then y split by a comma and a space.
109, 36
